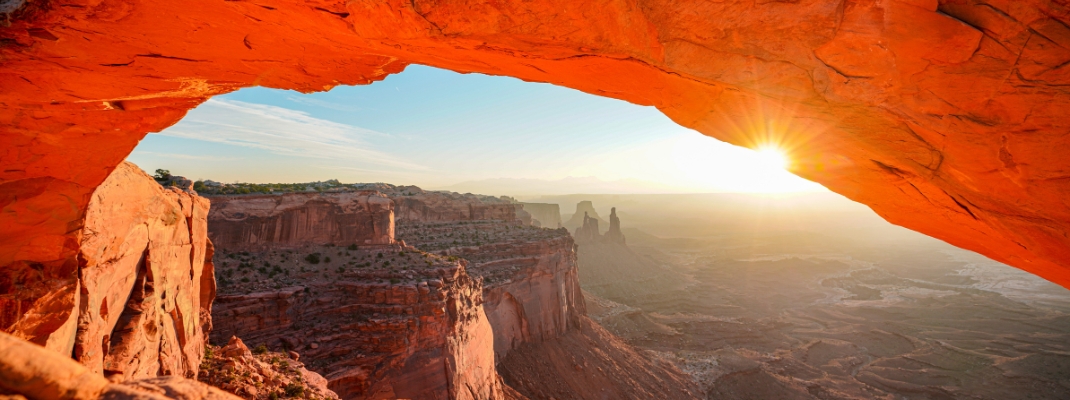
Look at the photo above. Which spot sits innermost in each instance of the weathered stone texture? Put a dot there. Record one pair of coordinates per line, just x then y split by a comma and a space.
133, 304
947, 117
280, 221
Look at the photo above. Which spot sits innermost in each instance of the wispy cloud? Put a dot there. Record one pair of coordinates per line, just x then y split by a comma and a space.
284, 132
325, 104
187, 156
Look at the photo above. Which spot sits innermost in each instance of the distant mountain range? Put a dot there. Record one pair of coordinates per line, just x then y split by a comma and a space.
570, 185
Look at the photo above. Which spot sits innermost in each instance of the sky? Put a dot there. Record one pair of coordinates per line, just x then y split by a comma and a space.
436, 129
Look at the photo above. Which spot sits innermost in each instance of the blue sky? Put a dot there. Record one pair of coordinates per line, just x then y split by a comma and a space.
436, 128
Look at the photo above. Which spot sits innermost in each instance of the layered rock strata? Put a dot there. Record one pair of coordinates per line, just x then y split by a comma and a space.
378, 322
589, 362
946, 117
417, 205
530, 281
544, 343
134, 301
272, 222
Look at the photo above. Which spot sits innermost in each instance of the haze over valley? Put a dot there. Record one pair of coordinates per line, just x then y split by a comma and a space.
534, 200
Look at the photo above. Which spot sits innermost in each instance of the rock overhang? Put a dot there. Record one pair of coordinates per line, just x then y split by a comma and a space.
944, 117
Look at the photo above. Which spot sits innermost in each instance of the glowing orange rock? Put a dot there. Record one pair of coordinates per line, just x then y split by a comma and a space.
945, 117
133, 303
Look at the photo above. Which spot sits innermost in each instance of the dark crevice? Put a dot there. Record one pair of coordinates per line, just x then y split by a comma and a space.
136, 320
42, 33
890, 169
154, 55
963, 206
997, 11
342, 15
841, 73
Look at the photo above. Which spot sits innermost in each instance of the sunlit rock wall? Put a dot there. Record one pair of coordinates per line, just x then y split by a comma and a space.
947, 117
279, 221
134, 303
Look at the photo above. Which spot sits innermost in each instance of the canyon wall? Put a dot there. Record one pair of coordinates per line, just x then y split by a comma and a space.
422, 334
134, 301
293, 219
447, 206
944, 116
531, 289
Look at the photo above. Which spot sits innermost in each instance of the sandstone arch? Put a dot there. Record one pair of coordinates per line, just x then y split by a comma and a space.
947, 117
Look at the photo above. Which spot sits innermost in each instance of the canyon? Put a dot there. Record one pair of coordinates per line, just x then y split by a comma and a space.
337, 300
946, 117
804, 308
436, 312
948, 109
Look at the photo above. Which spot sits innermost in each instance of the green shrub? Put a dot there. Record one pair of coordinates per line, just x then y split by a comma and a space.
261, 349
313, 258
327, 260
294, 390
352, 247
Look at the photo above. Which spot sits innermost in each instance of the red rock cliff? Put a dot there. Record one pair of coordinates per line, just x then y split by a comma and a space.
532, 290
294, 219
415, 205
134, 302
373, 332
947, 117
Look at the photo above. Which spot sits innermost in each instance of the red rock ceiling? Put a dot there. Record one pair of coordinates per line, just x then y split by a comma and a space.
948, 118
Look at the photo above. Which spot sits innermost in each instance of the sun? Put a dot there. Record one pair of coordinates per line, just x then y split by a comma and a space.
771, 157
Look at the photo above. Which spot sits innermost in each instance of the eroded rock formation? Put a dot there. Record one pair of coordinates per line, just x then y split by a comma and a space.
32, 372
416, 205
548, 215
946, 117
533, 301
531, 288
589, 233
373, 331
263, 375
294, 219
132, 301
584, 209
614, 234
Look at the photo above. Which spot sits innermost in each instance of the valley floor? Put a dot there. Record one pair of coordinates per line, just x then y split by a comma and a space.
791, 317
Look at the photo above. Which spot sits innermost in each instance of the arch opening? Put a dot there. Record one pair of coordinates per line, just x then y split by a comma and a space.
911, 132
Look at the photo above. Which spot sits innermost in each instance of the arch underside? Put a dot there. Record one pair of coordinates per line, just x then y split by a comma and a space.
948, 118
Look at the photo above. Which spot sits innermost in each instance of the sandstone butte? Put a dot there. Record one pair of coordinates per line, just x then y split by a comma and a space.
946, 117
